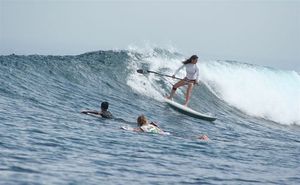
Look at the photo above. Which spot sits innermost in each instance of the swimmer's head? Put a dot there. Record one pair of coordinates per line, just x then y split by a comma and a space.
104, 105
203, 137
141, 120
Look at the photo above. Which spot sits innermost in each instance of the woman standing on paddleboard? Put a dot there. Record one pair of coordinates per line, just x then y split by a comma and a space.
192, 78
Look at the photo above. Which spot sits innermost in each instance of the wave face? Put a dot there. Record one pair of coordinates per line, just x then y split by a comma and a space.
43, 135
257, 91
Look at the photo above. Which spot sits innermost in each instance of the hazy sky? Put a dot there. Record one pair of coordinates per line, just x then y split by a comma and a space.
259, 32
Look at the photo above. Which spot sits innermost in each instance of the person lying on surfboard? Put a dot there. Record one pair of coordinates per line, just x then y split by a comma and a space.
145, 126
192, 78
103, 112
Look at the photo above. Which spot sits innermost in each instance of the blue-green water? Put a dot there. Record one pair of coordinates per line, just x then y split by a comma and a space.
45, 140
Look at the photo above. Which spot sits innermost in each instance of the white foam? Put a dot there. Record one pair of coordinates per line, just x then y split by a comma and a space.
257, 91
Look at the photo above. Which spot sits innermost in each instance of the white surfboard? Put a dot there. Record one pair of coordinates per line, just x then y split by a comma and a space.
188, 111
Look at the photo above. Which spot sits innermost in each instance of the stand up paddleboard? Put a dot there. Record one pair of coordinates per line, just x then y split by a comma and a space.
188, 111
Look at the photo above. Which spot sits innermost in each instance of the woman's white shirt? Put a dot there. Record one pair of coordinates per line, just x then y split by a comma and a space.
192, 71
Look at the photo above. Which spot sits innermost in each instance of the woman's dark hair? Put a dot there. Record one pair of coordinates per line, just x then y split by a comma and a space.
193, 57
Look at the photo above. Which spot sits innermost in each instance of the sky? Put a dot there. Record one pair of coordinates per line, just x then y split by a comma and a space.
259, 32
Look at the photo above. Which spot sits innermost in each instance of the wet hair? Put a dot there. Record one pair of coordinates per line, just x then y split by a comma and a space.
104, 105
141, 120
193, 57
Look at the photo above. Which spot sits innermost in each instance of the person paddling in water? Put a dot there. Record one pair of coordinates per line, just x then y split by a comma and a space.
103, 112
192, 78
145, 126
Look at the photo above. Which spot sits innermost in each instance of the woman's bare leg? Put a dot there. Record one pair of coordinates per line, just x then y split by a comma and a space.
175, 86
188, 93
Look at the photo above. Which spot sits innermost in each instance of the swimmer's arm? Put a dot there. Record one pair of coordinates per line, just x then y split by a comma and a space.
138, 130
152, 123
90, 112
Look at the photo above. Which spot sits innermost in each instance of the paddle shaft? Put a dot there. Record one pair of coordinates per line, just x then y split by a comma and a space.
164, 75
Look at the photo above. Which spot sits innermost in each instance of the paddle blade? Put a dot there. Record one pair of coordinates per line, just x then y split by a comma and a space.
141, 71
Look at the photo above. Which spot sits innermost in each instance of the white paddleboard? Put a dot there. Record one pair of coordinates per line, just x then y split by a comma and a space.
188, 111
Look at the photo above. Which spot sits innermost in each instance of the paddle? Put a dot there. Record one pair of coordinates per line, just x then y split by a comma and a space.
147, 71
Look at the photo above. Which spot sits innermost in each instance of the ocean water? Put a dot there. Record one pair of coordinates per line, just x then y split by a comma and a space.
45, 140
